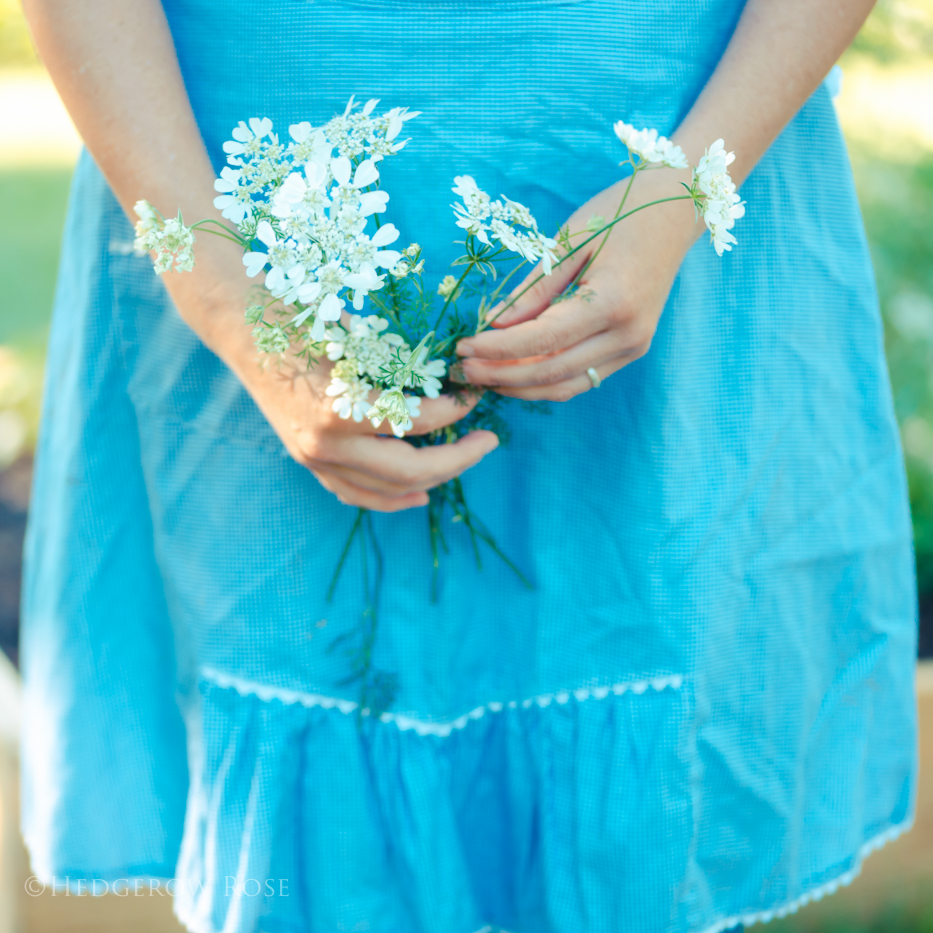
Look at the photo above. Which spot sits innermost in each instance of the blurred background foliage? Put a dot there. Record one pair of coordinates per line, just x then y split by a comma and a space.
886, 109
15, 45
897, 30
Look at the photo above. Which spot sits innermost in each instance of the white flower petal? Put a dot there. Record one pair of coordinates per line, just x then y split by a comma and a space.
386, 234
395, 127
254, 263
340, 168
260, 127
300, 131
316, 173
366, 174
265, 233
373, 202
330, 308
309, 291
302, 316
275, 279
387, 258
318, 329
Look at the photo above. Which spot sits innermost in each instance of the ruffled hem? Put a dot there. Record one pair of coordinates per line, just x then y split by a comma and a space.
403, 824
532, 814
762, 916
818, 893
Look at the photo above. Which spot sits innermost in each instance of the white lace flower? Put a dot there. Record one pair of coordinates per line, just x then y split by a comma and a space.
235, 202
503, 220
150, 222
368, 343
170, 240
351, 391
175, 249
650, 147
386, 234
286, 271
427, 375
308, 144
715, 195
447, 286
396, 408
247, 140
473, 213
363, 282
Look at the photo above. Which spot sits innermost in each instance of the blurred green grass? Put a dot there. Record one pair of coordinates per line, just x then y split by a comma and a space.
32, 204
890, 919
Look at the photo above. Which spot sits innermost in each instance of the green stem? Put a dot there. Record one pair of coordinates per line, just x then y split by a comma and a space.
587, 241
579, 276
450, 297
475, 527
228, 234
346, 550
501, 285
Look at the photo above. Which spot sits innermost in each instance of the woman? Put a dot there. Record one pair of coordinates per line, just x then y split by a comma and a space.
702, 713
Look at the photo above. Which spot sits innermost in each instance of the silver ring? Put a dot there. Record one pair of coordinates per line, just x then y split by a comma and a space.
594, 377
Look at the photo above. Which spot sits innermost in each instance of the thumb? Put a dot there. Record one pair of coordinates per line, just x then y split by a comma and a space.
539, 295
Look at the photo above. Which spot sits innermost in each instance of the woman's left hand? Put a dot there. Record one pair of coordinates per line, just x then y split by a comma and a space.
541, 350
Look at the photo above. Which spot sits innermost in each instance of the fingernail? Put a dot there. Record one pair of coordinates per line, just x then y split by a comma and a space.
464, 349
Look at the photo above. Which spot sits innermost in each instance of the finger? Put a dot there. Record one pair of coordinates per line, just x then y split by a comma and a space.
560, 326
350, 494
445, 409
570, 388
415, 467
546, 370
541, 291
366, 481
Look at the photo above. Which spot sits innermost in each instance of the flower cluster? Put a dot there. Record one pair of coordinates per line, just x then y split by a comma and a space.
503, 220
650, 147
411, 263
171, 240
369, 351
302, 208
307, 203
714, 193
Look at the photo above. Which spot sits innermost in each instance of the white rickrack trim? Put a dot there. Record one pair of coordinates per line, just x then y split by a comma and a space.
817, 894
267, 692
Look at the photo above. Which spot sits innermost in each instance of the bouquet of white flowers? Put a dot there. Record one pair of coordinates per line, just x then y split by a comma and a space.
307, 214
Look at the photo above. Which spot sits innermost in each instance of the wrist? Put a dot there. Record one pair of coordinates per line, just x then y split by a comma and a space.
673, 223
212, 299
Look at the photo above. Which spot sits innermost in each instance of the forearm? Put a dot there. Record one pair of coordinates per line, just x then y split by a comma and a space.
114, 64
780, 52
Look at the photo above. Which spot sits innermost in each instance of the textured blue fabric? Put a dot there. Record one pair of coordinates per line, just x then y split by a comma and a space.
701, 715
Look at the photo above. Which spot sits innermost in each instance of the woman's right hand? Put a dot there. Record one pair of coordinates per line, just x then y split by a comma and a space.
352, 460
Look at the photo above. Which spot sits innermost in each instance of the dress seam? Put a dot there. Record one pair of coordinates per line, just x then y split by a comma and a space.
268, 693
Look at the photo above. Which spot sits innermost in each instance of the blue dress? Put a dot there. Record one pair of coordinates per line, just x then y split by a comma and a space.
702, 713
